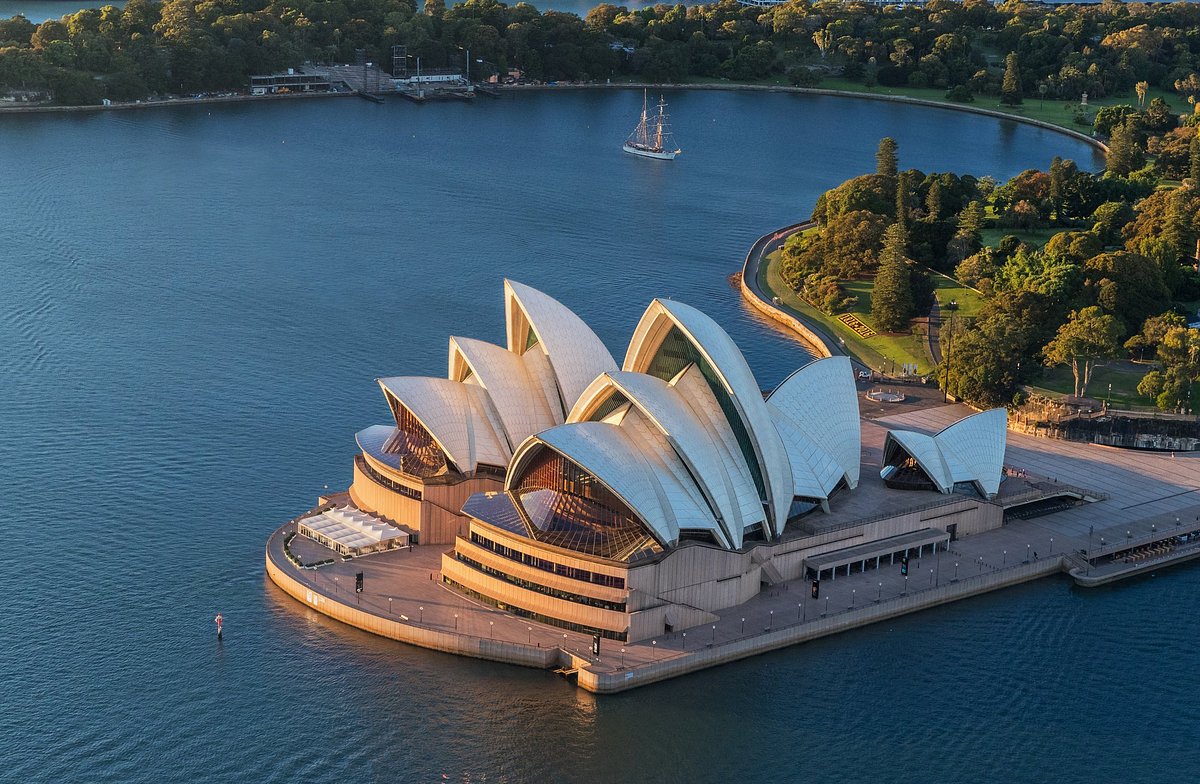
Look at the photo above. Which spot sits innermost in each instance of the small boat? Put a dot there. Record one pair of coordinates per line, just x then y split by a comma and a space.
652, 137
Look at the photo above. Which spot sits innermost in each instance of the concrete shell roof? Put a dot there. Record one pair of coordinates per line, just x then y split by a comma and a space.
518, 396
636, 470
459, 416
820, 402
690, 436
694, 391
973, 448
726, 359
576, 355
970, 450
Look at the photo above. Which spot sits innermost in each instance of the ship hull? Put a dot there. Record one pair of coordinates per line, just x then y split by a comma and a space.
664, 155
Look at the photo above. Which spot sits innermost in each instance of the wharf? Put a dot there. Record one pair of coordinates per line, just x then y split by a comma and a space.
404, 598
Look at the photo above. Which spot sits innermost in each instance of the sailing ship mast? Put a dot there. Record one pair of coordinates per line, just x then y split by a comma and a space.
652, 143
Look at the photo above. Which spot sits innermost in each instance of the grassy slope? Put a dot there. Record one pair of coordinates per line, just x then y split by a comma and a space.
1123, 376
1036, 237
1052, 111
882, 348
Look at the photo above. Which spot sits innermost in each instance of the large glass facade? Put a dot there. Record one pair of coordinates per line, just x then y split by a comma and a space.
583, 575
419, 454
530, 585
677, 352
567, 507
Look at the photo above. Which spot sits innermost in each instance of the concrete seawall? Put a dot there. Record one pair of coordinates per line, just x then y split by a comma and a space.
614, 680
603, 675
823, 343
284, 574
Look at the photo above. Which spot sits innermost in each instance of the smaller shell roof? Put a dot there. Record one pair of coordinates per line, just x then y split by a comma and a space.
458, 416
970, 450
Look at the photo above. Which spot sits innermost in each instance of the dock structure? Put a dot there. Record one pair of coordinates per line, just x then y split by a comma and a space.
1147, 517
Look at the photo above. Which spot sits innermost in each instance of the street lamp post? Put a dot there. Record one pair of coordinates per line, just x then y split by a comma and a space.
852, 591
714, 634
743, 626
389, 605
879, 595
529, 635
956, 570
770, 619
491, 629
685, 641
421, 615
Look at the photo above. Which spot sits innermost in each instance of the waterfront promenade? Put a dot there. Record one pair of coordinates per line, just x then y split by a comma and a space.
405, 600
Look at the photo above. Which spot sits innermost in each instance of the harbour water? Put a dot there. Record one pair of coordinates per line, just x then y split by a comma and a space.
194, 303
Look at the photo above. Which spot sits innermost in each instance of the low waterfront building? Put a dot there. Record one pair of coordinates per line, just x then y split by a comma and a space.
294, 81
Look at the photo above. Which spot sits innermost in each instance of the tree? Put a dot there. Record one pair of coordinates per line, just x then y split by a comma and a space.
1142, 88
892, 298
1128, 285
823, 39
1010, 88
1089, 337
903, 194
1194, 160
1188, 86
1152, 334
1124, 152
886, 159
1057, 186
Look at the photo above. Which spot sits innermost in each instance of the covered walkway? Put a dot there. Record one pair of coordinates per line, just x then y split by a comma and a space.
874, 554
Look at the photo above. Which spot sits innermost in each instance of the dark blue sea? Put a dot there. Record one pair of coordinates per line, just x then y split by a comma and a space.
193, 305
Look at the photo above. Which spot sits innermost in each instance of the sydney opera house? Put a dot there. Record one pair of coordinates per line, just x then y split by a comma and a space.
627, 499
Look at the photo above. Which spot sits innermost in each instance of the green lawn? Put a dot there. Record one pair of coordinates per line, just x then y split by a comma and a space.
1058, 112
1035, 237
950, 290
1123, 376
876, 351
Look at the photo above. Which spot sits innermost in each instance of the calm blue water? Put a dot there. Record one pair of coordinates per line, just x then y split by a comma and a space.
193, 305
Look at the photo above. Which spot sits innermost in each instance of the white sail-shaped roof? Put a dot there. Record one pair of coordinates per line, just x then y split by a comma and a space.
715, 346
518, 396
820, 401
459, 417
970, 450
693, 439
608, 453
576, 355
694, 390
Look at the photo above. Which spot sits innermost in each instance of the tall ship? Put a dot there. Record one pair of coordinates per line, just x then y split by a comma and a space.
652, 137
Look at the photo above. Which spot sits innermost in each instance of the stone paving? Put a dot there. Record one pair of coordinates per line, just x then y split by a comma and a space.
1146, 489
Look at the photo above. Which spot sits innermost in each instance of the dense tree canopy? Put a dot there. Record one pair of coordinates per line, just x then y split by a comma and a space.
968, 48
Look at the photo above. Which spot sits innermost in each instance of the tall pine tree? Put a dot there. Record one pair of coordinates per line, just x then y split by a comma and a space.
1124, 153
1194, 156
1010, 88
886, 159
892, 298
